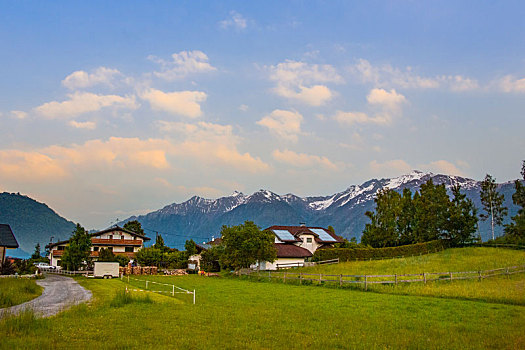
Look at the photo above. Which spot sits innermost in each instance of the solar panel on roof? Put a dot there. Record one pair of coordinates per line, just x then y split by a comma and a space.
284, 235
323, 235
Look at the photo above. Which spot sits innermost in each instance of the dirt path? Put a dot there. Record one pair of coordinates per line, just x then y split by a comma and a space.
60, 292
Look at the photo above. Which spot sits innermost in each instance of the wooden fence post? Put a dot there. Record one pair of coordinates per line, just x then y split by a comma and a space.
340, 280
425, 278
300, 278
320, 278
450, 273
366, 286
479, 278
146, 284
395, 276
284, 278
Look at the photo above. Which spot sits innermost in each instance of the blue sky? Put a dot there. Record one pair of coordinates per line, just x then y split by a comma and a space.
110, 109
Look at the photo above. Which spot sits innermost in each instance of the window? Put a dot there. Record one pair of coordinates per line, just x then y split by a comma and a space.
134, 237
110, 236
121, 237
309, 240
95, 249
129, 250
59, 262
61, 247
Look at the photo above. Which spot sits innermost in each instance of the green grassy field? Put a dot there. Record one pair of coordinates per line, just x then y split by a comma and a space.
14, 291
233, 313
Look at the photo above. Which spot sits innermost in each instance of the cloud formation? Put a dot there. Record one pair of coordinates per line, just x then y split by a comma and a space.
183, 64
185, 103
303, 160
82, 79
388, 102
387, 76
510, 83
301, 81
284, 124
236, 21
84, 102
83, 125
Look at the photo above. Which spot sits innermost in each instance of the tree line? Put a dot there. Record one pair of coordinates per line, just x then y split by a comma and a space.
430, 214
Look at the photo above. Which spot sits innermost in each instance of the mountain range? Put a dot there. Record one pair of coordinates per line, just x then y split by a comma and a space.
201, 219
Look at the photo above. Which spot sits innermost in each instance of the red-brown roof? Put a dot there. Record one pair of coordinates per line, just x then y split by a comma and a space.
291, 251
296, 231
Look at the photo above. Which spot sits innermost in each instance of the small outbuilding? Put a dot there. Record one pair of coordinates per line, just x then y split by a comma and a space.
7, 241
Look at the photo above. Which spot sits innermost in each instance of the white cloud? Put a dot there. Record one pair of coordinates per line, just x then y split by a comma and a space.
390, 168
236, 21
84, 102
183, 64
19, 114
389, 103
301, 81
83, 125
29, 167
185, 103
303, 160
285, 124
442, 167
82, 79
243, 108
387, 76
509, 83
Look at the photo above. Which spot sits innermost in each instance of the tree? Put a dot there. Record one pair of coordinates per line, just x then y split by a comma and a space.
383, 229
406, 218
462, 219
246, 244
159, 244
431, 205
134, 226
36, 254
210, 259
492, 203
191, 247
516, 229
77, 252
149, 257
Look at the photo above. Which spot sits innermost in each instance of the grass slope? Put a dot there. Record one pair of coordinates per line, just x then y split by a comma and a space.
14, 291
237, 314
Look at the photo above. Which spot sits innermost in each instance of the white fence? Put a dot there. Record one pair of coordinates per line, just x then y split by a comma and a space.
366, 280
156, 287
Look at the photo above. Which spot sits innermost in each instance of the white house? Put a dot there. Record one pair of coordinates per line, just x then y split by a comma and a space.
296, 244
117, 239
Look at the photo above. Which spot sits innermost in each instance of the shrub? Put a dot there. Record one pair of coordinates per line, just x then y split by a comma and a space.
348, 254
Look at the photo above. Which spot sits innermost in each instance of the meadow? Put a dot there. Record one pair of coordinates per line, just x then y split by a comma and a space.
14, 291
235, 313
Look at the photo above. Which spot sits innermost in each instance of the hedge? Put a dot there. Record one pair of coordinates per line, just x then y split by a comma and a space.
348, 254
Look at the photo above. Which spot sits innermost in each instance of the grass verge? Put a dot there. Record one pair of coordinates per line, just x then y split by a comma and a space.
14, 291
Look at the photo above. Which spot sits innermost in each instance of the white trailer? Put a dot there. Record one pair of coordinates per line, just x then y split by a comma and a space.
106, 270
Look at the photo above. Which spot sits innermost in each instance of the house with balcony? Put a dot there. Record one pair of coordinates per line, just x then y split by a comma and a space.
116, 239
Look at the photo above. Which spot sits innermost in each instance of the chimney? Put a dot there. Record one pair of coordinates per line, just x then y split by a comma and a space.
303, 224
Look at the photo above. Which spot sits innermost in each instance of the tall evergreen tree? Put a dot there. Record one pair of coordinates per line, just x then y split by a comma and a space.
462, 219
134, 226
516, 229
382, 231
78, 251
492, 203
36, 254
431, 212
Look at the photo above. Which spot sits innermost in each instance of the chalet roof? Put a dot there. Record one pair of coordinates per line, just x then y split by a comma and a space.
111, 229
321, 234
208, 245
7, 238
291, 251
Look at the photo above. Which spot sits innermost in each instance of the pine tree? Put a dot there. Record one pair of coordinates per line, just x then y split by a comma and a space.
492, 203
431, 212
462, 219
516, 229
36, 254
77, 252
383, 231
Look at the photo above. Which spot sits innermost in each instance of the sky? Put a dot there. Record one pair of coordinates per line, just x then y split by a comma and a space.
116, 108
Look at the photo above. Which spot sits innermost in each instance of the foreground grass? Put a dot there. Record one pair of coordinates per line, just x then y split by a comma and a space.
236, 314
14, 291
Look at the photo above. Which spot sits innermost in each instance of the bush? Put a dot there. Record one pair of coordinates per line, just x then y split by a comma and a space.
348, 254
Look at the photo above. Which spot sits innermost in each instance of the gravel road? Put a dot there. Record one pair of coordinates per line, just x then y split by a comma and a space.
60, 292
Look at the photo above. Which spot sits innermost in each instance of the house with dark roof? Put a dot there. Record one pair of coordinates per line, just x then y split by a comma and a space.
117, 239
194, 261
296, 244
7, 241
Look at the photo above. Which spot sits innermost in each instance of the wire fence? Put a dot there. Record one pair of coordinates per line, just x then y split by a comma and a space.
366, 280
144, 285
